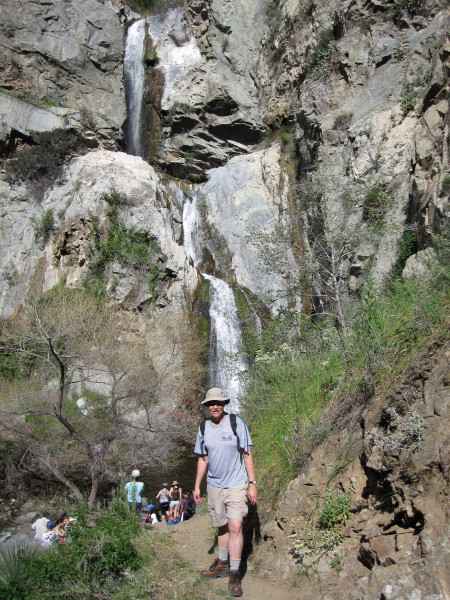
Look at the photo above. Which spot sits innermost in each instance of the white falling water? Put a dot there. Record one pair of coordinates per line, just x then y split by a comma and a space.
225, 362
133, 66
191, 230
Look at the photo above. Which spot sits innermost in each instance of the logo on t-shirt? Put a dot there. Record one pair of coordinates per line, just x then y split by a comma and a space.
227, 436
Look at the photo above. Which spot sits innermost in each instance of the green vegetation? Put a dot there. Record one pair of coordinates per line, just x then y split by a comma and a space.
407, 247
44, 159
133, 249
150, 54
292, 383
44, 227
321, 536
319, 58
342, 121
410, 5
410, 100
335, 510
225, 44
110, 556
398, 54
376, 202
445, 185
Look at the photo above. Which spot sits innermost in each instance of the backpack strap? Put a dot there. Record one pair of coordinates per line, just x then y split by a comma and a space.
202, 431
233, 423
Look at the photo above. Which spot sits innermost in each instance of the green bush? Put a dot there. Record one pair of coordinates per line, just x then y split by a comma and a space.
133, 249
376, 202
44, 227
445, 185
335, 510
44, 159
100, 552
319, 57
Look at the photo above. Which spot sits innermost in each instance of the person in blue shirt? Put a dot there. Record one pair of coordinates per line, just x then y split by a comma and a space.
134, 489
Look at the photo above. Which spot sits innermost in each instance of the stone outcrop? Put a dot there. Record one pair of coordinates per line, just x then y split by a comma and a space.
395, 468
61, 66
364, 90
210, 105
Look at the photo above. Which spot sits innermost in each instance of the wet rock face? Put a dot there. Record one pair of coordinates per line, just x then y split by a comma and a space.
395, 541
210, 105
61, 66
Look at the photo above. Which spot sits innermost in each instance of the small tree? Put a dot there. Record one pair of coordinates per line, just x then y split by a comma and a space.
63, 347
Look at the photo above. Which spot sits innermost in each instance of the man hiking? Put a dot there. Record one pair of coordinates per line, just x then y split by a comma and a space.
224, 448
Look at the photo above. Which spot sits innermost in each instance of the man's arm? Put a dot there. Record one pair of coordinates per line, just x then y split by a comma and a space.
202, 465
250, 468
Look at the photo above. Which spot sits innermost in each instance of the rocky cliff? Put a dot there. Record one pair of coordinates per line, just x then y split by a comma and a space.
394, 465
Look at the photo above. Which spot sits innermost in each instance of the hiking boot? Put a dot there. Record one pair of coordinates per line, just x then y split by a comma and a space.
219, 568
234, 584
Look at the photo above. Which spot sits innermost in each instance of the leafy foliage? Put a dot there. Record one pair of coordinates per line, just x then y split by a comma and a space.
291, 383
110, 556
133, 249
310, 543
44, 227
375, 204
44, 159
335, 509
319, 58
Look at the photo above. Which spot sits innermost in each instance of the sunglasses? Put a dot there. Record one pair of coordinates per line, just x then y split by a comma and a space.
215, 403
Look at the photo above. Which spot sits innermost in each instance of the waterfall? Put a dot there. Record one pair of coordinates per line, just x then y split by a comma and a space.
133, 66
191, 230
225, 362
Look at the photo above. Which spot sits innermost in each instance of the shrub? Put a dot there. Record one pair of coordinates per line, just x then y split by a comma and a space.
445, 185
44, 227
319, 57
133, 249
44, 159
335, 510
316, 539
375, 205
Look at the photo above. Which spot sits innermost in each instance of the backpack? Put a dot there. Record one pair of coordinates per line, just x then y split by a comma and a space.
175, 494
190, 508
163, 498
233, 421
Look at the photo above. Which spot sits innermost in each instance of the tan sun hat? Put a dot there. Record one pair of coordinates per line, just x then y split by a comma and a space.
215, 394
175, 482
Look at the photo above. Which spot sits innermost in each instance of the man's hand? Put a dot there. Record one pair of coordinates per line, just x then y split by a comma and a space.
252, 493
197, 498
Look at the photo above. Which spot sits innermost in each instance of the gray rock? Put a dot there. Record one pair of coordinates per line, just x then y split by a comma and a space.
26, 518
65, 54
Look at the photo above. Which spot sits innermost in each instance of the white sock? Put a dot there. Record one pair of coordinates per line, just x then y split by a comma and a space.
223, 554
234, 564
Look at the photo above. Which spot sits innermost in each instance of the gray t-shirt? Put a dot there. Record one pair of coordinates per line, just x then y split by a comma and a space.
226, 467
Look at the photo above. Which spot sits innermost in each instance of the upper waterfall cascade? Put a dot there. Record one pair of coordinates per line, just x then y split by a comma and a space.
133, 67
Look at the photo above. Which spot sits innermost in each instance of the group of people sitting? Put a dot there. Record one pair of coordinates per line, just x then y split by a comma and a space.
49, 532
175, 505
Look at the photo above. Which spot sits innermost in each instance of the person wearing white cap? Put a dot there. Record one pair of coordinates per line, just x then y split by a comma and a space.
223, 446
134, 489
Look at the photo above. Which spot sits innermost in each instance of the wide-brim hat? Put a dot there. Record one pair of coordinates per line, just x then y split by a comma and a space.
175, 482
215, 394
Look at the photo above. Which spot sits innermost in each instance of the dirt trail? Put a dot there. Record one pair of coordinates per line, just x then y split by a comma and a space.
193, 540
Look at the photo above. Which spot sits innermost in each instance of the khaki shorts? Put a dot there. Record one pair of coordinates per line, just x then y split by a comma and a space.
227, 503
